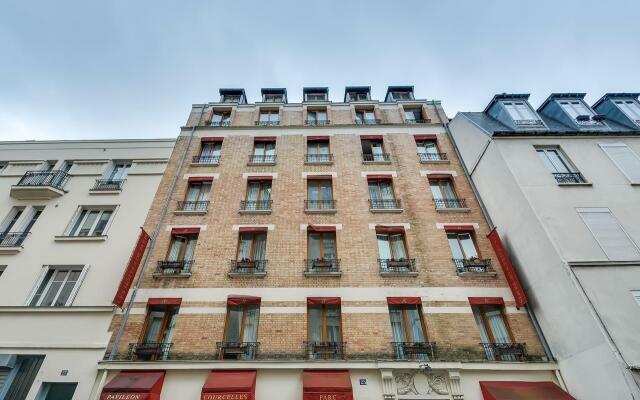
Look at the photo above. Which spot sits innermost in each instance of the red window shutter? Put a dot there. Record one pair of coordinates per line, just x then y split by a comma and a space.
211, 139
403, 300
238, 300
323, 300
185, 231
478, 301
164, 301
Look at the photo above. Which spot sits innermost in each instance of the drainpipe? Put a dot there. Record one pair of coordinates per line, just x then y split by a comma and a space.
154, 237
485, 212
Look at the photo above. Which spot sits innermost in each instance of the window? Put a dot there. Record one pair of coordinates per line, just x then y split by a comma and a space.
625, 159
631, 108
319, 194
494, 329
317, 117
364, 117
119, 171
402, 95
413, 115
428, 151
391, 246
269, 117
358, 96
221, 118
408, 328
198, 192
57, 391
318, 151
182, 247
520, 112
576, 108
324, 331
381, 193
209, 153
272, 98
462, 245
258, 195
155, 342
316, 97
90, 221
559, 166
609, 234
373, 150
241, 331
444, 195
57, 286
3, 167
252, 246
17, 225
10, 220
321, 246
264, 152
231, 98
2, 269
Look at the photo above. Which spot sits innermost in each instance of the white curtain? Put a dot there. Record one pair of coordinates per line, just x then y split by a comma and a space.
315, 324
251, 324
374, 193
395, 314
314, 246
387, 190
397, 245
260, 246
191, 248
252, 192
244, 250
384, 249
333, 323
467, 245
330, 246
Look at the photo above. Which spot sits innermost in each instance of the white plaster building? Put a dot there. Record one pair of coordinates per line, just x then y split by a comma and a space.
562, 185
70, 213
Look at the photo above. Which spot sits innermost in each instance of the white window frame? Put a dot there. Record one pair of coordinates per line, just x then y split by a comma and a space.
604, 210
3, 167
561, 154
603, 145
43, 273
516, 108
78, 212
316, 94
112, 167
636, 295
621, 104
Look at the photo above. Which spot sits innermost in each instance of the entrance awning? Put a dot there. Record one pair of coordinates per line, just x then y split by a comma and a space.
230, 385
132, 385
517, 390
334, 385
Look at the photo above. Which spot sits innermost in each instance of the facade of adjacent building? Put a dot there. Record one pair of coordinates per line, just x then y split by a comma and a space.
321, 250
69, 213
563, 185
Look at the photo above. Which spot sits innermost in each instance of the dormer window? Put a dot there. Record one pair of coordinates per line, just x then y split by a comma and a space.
520, 113
631, 108
272, 98
274, 95
231, 98
358, 96
402, 95
316, 97
578, 111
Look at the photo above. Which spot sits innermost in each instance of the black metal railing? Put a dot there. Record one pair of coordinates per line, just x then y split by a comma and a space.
318, 122
260, 205
426, 157
505, 351
397, 266
12, 239
319, 204
323, 265
262, 159
476, 265
450, 203
414, 350
326, 350
418, 121
381, 204
149, 351
384, 157
237, 350
220, 123
174, 267
211, 160
108, 184
248, 267
200, 206
569, 177
368, 121
55, 178
267, 123
318, 158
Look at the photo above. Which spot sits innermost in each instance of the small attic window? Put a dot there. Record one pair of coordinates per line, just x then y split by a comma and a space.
631, 108
231, 98
317, 96
358, 96
579, 112
521, 113
273, 98
402, 95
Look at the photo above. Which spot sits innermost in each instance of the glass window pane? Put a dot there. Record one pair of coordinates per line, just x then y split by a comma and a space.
176, 247
234, 324
314, 246
435, 189
244, 248
102, 223
330, 246
252, 191
384, 248
313, 190
260, 246
315, 323
397, 246
456, 250
88, 223
154, 325
467, 245
415, 324
333, 324
397, 328
251, 324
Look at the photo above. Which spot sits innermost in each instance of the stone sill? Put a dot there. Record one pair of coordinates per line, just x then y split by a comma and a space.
183, 212
193, 164
80, 238
91, 191
398, 274
320, 211
164, 276
582, 184
386, 210
259, 275
477, 274
323, 274
254, 212
10, 250
454, 210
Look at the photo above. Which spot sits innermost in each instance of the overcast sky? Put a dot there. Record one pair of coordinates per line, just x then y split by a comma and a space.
127, 69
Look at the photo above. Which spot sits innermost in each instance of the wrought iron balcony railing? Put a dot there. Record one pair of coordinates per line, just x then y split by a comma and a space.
319, 122
505, 351
220, 123
210, 160
262, 159
569, 177
248, 267
237, 350
319, 204
55, 178
12, 239
473, 265
108, 184
397, 266
384, 204
326, 350
195, 206
427, 157
414, 350
323, 266
168, 268
418, 121
267, 123
443, 204
368, 121
149, 351
261, 205
318, 158
384, 157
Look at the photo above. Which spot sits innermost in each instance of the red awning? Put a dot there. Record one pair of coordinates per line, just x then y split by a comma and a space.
250, 229
478, 301
370, 137
209, 139
385, 177
425, 137
184, 231
264, 139
238, 300
132, 385
389, 229
327, 384
517, 390
317, 228
232, 385
439, 176
509, 271
164, 301
459, 228
323, 300
403, 300
317, 138
259, 178
201, 179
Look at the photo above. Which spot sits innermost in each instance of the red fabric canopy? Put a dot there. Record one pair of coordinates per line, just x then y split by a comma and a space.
459, 228
389, 229
238, 300
209, 139
259, 178
201, 179
385, 177
323, 300
317, 138
478, 301
439, 176
509, 271
164, 301
229, 385
264, 139
403, 300
134, 385
371, 137
326, 384
518, 390
425, 137
316, 228
249, 229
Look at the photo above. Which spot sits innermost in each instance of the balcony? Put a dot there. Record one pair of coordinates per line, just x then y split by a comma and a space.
255, 207
192, 207
108, 185
505, 351
149, 351
326, 350
320, 206
11, 242
206, 160
385, 205
474, 266
179, 269
328, 267
248, 268
267, 123
218, 124
426, 158
569, 177
321, 122
325, 159
262, 160
414, 350
40, 185
383, 158
373, 121
411, 121
237, 350
398, 267
451, 204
